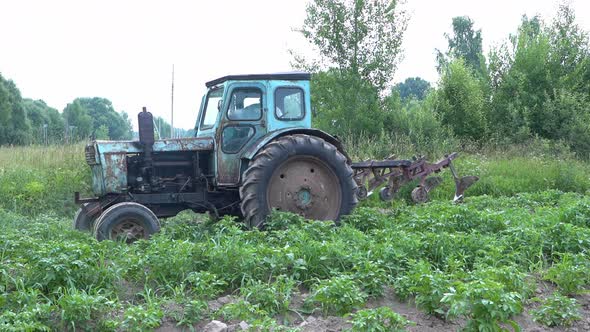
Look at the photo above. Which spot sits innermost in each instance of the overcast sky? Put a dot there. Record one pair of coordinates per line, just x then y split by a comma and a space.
124, 50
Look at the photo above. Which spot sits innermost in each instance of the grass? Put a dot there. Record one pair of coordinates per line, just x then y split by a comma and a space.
38, 179
525, 223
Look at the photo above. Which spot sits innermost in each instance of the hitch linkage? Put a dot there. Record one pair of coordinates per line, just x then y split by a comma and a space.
369, 175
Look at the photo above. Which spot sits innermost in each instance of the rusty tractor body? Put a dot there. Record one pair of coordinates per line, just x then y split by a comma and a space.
254, 151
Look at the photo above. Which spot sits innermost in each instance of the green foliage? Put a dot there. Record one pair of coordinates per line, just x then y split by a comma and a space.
465, 44
142, 317
557, 310
428, 286
346, 103
486, 303
478, 260
381, 319
47, 124
413, 88
570, 274
461, 101
81, 310
360, 37
191, 312
540, 82
104, 116
273, 298
14, 125
205, 284
339, 294
241, 310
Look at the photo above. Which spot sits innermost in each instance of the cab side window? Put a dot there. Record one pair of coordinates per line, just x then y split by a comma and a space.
245, 104
289, 104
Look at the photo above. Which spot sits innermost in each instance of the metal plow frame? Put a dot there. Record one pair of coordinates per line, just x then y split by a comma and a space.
369, 175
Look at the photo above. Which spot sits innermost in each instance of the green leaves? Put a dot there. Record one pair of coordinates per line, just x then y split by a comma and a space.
381, 319
339, 294
557, 310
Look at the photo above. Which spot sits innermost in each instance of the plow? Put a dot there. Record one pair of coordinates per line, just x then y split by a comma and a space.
370, 175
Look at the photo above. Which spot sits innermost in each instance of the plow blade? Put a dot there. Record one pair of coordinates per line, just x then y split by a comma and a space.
369, 175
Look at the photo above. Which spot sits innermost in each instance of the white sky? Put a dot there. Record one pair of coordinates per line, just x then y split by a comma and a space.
124, 50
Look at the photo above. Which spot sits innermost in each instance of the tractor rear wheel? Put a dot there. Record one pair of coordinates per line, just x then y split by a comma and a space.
301, 174
126, 221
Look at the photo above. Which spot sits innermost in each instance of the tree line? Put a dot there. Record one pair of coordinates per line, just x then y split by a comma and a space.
26, 121
534, 85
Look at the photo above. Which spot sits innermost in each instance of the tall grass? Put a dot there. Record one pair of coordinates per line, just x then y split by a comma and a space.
42, 179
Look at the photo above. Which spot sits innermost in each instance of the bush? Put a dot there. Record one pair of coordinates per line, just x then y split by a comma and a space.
461, 102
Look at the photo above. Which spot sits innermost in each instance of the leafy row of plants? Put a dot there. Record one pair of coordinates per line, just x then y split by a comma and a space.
480, 261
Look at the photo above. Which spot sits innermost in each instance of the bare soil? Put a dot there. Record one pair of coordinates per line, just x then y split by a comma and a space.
423, 322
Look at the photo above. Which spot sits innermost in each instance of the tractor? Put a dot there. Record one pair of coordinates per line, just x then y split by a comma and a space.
254, 150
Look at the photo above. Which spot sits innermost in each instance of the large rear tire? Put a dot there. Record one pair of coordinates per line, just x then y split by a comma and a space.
127, 222
301, 174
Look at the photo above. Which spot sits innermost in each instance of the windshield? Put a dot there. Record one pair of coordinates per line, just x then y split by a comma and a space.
211, 108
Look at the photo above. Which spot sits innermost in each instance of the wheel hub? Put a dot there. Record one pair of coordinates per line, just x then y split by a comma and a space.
129, 230
304, 199
307, 186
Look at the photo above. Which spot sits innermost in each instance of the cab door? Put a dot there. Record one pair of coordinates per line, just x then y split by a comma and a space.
242, 123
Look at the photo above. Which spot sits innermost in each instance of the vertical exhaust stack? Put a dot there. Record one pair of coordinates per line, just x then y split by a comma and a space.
145, 121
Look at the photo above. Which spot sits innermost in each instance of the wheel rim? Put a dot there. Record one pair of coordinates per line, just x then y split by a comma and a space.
307, 186
129, 230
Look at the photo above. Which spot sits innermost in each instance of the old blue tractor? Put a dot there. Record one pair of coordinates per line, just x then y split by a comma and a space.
254, 151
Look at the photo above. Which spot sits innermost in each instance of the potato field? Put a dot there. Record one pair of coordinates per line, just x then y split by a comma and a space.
513, 256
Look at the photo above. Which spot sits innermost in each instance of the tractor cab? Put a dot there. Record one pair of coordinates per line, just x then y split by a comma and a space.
240, 111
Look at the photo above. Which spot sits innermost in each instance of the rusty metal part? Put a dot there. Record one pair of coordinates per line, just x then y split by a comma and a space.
461, 184
386, 194
306, 185
129, 230
420, 195
369, 175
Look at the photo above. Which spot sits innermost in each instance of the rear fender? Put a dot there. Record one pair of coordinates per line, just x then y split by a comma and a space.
251, 151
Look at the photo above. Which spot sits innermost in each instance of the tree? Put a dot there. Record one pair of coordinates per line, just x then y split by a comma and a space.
542, 81
103, 114
460, 101
44, 120
346, 103
79, 124
14, 125
465, 43
359, 37
359, 46
413, 87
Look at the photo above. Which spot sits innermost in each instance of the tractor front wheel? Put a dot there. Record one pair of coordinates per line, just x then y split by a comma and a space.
301, 174
126, 221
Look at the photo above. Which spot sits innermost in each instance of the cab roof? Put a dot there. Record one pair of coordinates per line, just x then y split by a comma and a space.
288, 76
